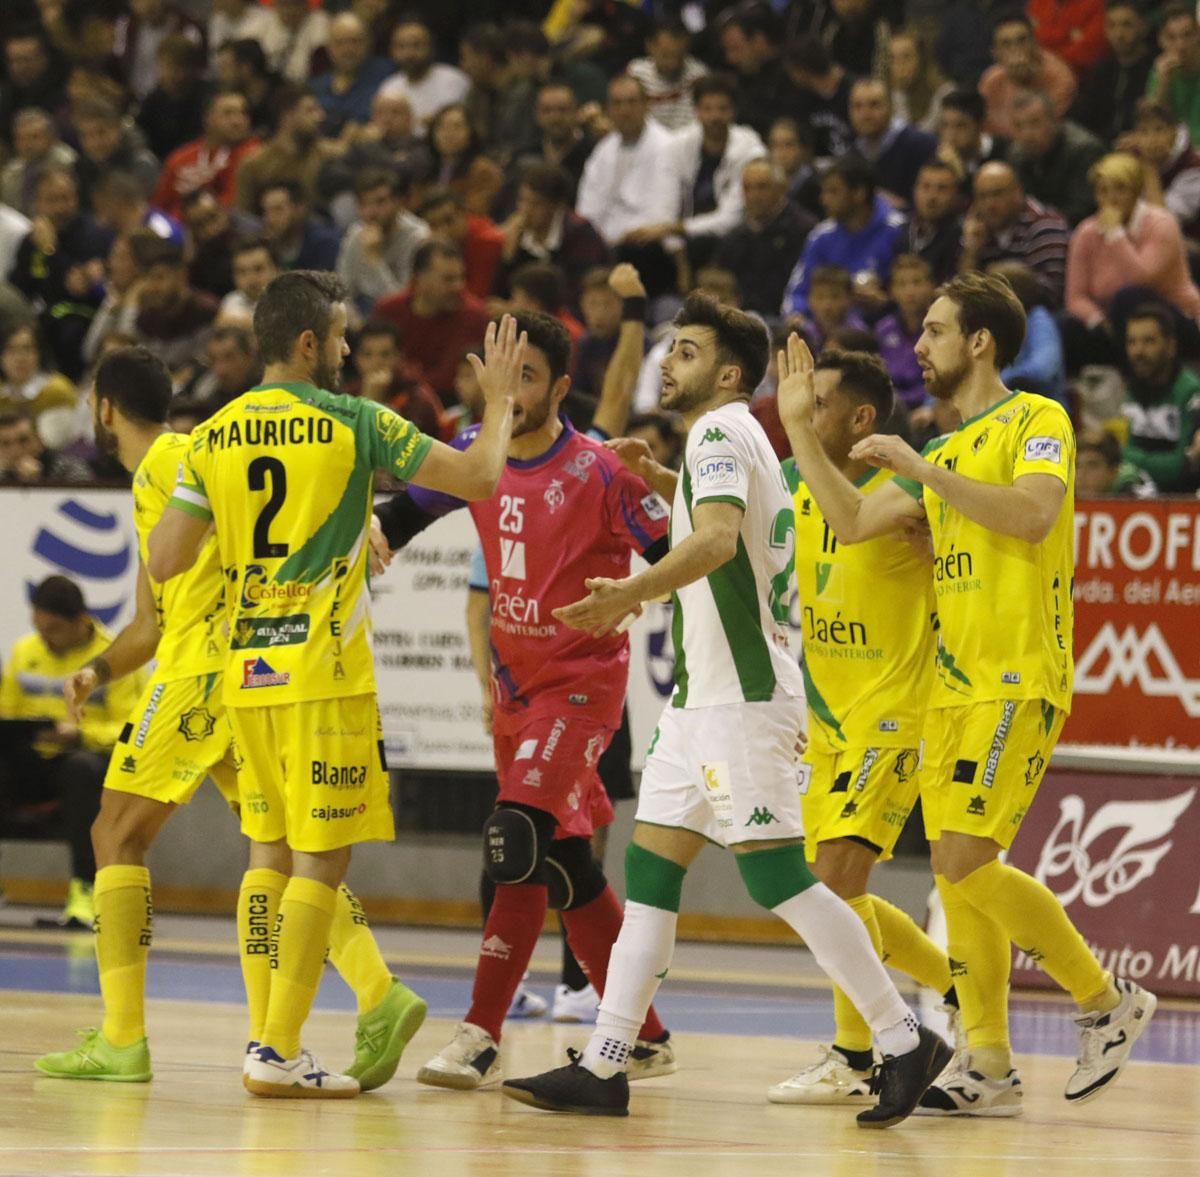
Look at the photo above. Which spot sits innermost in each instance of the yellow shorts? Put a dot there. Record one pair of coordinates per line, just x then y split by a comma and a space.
860, 793
313, 773
176, 736
983, 765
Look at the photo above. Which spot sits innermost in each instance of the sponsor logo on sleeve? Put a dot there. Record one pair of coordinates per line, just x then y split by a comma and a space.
716, 472
654, 507
526, 750
257, 672
1043, 449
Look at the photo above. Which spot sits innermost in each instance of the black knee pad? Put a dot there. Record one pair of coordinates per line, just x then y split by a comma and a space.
515, 841
573, 876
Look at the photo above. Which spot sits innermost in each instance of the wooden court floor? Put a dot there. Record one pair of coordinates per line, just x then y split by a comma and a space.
709, 1118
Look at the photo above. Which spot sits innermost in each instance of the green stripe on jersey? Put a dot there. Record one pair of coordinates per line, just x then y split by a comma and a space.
817, 705
679, 699
735, 592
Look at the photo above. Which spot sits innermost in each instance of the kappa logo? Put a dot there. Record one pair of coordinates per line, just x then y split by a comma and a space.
1067, 866
761, 816
1132, 657
512, 558
713, 434
554, 496
496, 948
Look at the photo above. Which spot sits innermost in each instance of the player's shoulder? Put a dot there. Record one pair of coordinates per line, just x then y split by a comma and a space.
161, 460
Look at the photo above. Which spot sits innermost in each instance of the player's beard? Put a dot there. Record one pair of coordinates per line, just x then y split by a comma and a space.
106, 440
530, 420
944, 383
682, 398
328, 376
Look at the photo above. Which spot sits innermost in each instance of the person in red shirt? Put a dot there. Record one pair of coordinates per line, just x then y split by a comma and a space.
541, 286
211, 161
385, 376
479, 238
437, 316
566, 510
1072, 29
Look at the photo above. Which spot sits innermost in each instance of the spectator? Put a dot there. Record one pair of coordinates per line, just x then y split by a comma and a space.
1022, 64
483, 57
1171, 165
1162, 403
212, 161
857, 35
602, 308
437, 317
1175, 78
175, 321
213, 232
861, 235
33, 80
790, 149
459, 161
386, 378
662, 434
1073, 30
1101, 472
428, 85
469, 407
819, 96
346, 91
120, 205
934, 229
1110, 89
236, 20
172, 114
961, 137
668, 73
232, 367
376, 256
479, 239
254, 267
1050, 156
917, 86
106, 145
540, 286
894, 151
296, 39
830, 306
750, 40
564, 143
242, 66
58, 267
74, 758
761, 251
24, 458
299, 240
36, 147
295, 152
1039, 365
1004, 224
117, 314
30, 386
913, 290
14, 227
545, 229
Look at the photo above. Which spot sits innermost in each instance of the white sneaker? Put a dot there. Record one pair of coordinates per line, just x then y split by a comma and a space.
830, 1079
963, 1092
266, 1073
526, 1003
1106, 1041
571, 1005
649, 1060
470, 1060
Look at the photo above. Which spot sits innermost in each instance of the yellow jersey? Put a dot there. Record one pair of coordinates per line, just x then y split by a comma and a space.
191, 607
285, 472
867, 626
1005, 606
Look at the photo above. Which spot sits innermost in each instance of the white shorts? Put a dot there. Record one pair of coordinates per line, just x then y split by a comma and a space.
727, 772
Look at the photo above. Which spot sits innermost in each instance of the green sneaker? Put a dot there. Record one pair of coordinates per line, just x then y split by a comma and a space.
382, 1035
80, 911
96, 1058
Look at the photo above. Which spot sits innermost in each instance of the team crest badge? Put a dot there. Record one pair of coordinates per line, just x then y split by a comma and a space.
979, 442
554, 497
197, 724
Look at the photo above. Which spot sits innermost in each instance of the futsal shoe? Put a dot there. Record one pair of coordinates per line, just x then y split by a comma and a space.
382, 1035
268, 1074
574, 1089
651, 1060
526, 1003
903, 1078
96, 1058
830, 1080
1106, 1041
470, 1060
961, 1091
79, 913
575, 1005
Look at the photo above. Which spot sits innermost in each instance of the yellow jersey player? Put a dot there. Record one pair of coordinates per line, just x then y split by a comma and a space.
175, 736
867, 622
284, 472
998, 496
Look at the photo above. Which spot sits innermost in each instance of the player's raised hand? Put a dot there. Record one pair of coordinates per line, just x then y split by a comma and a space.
603, 609
797, 386
890, 452
626, 282
635, 454
499, 372
77, 690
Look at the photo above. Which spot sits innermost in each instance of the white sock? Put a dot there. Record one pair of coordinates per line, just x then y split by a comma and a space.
839, 941
639, 961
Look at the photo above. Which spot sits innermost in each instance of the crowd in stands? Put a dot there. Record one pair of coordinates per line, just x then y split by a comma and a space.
822, 163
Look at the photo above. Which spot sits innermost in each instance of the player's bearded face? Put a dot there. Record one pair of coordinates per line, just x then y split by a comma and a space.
687, 381
328, 374
106, 440
945, 366
530, 415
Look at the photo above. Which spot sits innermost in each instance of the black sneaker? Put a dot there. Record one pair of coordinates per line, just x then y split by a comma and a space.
902, 1079
572, 1088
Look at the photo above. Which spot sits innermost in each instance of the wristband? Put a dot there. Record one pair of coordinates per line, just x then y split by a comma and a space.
633, 310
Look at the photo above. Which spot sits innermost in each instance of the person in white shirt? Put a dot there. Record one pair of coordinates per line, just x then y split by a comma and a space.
668, 72
236, 20
427, 84
296, 33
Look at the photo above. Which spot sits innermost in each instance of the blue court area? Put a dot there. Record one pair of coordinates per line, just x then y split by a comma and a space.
66, 965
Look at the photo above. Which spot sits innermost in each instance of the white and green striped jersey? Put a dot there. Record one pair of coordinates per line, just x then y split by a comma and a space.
729, 629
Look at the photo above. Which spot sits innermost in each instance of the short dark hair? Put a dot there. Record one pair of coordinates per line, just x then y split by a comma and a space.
247, 51
1159, 313
144, 247
223, 92
670, 25
251, 245
989, 303
543, 282
294, 302
59, 596
550, 181
714, 83
752, 18
862, 376
374, 328
808, 53
183, 51
968, 102
488, 39
526, 36
439, 197
120, 185
1174, 10
837, 276
1012, 16
432, 248
550, 337
742, 339
286, 98
137, 382
396, 180
236, 333
96, 110
293, 188
160, 252
854, 173
802, 130
1100, 441
937, 164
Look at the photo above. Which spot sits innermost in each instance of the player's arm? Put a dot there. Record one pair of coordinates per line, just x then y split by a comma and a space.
636, 457
133, 647
621, 375
176, 542
479, 624
853, 516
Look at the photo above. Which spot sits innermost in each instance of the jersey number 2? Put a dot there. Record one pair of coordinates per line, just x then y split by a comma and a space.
258, 470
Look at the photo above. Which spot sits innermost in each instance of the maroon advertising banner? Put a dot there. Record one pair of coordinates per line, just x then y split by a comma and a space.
1137, 624
1120, 854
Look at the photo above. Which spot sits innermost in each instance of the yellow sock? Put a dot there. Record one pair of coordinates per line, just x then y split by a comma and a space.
980, 962
1035, 921
853, 1033
257, 908
124, 925
907, 948
305, 915
355, 953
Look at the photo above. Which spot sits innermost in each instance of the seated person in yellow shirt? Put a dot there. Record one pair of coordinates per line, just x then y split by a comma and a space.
75, 758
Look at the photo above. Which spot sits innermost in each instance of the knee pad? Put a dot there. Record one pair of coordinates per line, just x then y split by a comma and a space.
573, 876
774, 876
515, 841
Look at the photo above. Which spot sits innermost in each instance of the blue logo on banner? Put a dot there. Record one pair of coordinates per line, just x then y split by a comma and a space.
78, 552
